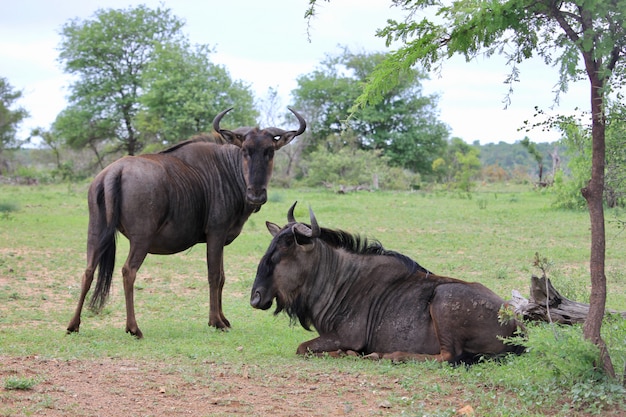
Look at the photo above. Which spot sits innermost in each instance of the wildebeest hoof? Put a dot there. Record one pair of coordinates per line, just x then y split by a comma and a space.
220, 326
137, 333
373, 356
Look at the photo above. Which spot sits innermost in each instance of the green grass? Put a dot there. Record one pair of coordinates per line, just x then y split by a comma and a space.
490, 236
19, 383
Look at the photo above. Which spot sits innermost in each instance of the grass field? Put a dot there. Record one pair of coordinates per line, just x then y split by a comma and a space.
489, 236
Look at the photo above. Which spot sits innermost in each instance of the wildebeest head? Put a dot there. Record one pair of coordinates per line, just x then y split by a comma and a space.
281, 273
257, 148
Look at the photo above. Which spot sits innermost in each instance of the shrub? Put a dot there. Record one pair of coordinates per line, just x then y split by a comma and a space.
19, 383
355, 167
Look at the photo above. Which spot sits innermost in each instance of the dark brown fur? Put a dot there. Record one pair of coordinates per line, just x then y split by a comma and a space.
362, 298
193, 192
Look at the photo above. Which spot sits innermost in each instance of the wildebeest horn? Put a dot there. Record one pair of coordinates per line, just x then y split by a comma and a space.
218, 118
313, 231
301, 120
290, 217
315, 228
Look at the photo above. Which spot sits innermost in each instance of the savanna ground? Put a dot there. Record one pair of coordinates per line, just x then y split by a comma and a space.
183, 367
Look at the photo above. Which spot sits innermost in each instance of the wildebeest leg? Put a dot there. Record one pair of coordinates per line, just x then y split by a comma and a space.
85, 283
85, 286
215, 265
221, 289
408, 356
324, 345
136, 256
446, 337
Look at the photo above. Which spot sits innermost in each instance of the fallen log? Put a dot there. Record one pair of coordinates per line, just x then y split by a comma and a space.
547, 304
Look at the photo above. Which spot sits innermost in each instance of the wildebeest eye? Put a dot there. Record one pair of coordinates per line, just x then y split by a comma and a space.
277, 137
285, 242
275, 258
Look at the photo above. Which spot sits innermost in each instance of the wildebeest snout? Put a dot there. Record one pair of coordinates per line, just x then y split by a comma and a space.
256, 196
257, 300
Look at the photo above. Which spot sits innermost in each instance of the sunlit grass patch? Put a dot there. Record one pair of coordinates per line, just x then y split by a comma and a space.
19, 383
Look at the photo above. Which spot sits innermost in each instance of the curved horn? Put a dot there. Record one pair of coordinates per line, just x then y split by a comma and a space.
290, 217
218, 118
302, 127
315, 228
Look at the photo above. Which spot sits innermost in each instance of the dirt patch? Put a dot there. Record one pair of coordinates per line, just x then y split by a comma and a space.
125, 388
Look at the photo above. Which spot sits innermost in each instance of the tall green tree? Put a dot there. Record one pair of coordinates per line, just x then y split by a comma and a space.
10, 117
108, 56
460, 164
184, 91
581, 37
615, 190
403, 126
577, 143
78, 127
531, 147
575, 140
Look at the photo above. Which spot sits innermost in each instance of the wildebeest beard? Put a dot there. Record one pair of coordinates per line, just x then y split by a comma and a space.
296, 310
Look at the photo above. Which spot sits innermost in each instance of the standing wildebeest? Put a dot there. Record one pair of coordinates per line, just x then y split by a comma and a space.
164, 203
365, 299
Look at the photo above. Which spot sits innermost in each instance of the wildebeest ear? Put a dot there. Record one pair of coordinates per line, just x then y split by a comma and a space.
235, 137
273, 228
283, 137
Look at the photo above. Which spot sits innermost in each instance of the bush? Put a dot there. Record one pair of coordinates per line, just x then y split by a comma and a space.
19, 383
567, 363
6, 208
567, 193
355, 167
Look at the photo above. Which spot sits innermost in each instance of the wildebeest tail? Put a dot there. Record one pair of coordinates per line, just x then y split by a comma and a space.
108, 195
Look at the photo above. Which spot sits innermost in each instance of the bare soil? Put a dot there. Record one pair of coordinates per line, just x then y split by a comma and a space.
125, 388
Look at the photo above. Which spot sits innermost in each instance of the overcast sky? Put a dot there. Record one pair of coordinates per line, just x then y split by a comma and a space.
265, 44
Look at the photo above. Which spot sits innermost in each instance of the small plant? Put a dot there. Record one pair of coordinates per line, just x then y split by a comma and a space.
544, 264
6, 208
502, 273
19, 383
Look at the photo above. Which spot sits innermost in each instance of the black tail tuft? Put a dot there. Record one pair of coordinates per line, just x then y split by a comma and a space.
107, 240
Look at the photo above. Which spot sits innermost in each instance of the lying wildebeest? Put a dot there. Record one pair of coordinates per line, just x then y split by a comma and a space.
164, 203
362, 298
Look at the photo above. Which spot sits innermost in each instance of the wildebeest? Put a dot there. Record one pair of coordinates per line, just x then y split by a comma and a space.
364, 299
164, 203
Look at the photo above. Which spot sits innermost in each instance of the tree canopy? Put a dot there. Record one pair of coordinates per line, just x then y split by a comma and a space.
108, 55
403, 126
184, 91
10, 116
137, 79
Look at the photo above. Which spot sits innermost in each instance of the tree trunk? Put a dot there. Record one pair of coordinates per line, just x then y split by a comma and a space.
593, 194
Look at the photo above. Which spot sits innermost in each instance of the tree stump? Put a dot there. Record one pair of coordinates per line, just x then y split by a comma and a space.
547, 304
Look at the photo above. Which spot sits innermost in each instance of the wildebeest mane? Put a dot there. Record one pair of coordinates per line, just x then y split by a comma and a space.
362, 246
197, 138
